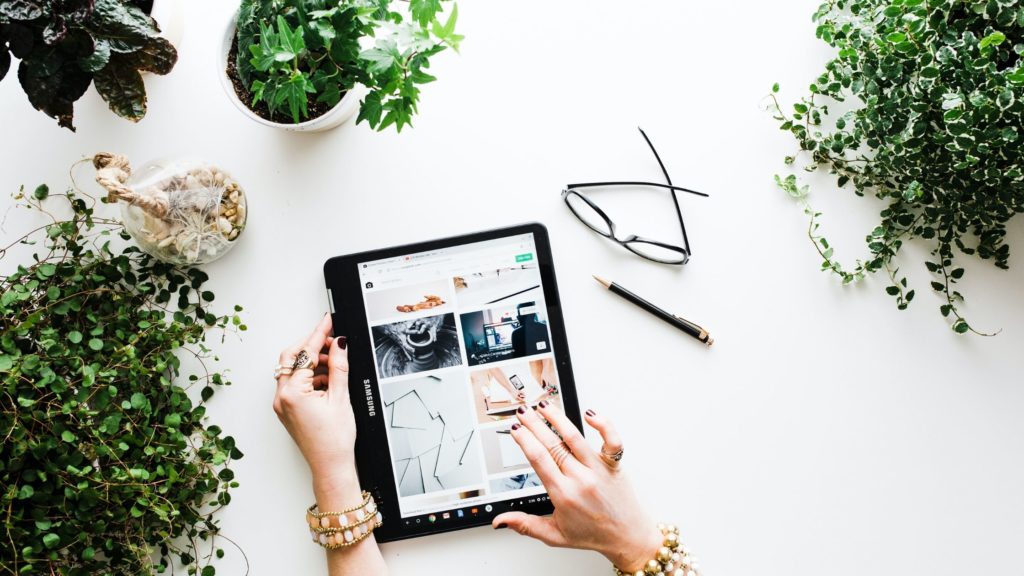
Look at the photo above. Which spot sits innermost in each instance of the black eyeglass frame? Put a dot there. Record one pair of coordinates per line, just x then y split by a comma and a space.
684, 250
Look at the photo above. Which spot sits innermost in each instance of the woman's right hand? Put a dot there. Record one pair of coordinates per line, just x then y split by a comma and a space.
313, 405
595, 505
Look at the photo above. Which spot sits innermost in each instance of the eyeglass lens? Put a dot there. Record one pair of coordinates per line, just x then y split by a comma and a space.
587, 214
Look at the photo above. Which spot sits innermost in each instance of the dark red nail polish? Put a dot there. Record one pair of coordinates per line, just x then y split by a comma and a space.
591, 413
522, 410
543, 404
500, 526
515, 426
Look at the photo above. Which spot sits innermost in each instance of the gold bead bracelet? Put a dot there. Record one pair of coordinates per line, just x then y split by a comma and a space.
672, 559
333, 530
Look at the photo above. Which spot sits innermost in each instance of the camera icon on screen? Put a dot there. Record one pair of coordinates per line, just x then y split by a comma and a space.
369, 285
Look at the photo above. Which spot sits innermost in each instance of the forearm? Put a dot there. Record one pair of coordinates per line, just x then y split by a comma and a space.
339, 491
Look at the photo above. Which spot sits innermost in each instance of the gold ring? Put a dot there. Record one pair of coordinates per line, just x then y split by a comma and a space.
612, 459
559, 453
303, 361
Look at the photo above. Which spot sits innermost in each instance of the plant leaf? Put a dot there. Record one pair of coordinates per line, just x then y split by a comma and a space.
121, 86
53, 85
98, 59
21, 9
157, 56
424, 11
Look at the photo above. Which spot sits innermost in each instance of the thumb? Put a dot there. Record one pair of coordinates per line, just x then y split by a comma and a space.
337, 371
542, 528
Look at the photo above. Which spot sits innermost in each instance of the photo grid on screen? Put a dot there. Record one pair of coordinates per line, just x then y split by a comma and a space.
460, 342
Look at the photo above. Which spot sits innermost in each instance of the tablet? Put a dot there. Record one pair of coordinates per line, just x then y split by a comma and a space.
446, 340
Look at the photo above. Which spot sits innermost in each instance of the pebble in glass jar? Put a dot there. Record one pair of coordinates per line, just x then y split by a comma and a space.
185, 212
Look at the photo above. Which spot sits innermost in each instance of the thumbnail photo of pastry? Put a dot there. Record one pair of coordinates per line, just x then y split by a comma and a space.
425, 299
416, 345
503, 333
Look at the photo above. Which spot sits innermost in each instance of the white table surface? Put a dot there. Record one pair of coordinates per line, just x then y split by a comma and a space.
825, 433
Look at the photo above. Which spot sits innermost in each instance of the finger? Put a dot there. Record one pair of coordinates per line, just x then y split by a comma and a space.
320, 382
540, 459
315, 341
572, 436
287, 356
538, 527
612, 440
337, 374
547, 438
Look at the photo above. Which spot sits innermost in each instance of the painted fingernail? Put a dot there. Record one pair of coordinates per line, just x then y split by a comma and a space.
500, 526
515, 426
591, 413
543, 404
522, 410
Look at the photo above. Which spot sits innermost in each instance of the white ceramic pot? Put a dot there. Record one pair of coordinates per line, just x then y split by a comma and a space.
332, 119
170, 15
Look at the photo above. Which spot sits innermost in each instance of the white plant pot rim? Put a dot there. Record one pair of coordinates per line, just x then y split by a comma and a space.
330, 119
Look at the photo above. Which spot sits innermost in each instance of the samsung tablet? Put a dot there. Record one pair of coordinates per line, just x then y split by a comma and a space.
446, 340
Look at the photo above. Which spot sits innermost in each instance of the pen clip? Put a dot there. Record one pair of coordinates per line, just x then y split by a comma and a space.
703, 333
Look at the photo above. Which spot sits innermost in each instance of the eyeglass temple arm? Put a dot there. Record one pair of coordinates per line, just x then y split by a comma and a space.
656, 184
679, 212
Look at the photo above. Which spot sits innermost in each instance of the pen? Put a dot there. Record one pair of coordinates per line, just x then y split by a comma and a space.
677, 321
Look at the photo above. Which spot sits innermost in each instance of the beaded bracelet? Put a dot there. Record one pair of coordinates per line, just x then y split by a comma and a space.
339, 533
672, 559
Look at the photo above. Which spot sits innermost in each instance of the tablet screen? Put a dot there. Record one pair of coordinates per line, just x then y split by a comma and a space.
461, 340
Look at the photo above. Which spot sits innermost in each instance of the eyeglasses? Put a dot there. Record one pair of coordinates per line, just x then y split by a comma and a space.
594, 218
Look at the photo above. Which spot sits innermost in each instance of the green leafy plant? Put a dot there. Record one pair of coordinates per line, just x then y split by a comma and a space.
106, 462
295, 54
67, 45
935, 92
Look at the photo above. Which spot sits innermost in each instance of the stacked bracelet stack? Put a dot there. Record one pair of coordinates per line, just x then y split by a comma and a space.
672, 559
334, 530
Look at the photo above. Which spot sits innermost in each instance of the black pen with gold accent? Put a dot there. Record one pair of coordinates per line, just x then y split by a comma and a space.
677, 321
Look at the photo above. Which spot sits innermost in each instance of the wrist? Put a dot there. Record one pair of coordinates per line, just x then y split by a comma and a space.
336, 487
633, 552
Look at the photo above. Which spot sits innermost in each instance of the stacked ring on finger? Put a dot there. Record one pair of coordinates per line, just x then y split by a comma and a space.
303, 360
559, 452
280, 370
612, 459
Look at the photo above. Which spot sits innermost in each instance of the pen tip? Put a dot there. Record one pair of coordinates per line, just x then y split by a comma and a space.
603, 282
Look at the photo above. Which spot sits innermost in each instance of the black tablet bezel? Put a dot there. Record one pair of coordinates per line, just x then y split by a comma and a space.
348, 312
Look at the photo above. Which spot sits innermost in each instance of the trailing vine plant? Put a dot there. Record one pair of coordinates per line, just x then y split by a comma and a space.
935, 92
107, 465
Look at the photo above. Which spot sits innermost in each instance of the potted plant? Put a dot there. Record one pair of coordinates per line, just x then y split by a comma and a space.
64, 47
303, 66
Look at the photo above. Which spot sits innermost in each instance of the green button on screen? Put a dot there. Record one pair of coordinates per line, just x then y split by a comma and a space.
524, 257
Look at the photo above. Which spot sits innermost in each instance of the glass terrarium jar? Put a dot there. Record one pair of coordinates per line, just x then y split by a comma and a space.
181, 211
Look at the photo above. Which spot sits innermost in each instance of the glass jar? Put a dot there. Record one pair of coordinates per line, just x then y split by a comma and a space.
181, 211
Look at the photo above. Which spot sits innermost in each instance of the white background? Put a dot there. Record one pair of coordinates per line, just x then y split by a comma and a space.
825, 433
